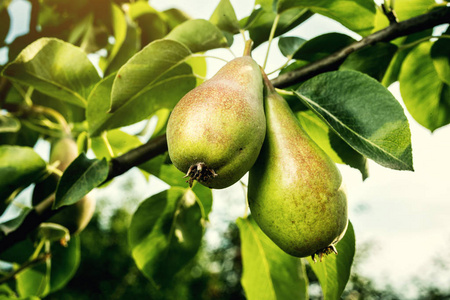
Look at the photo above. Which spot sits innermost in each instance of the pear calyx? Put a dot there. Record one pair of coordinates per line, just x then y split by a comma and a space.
200, 172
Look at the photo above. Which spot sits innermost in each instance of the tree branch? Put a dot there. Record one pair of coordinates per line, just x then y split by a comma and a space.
332, 62
154, 147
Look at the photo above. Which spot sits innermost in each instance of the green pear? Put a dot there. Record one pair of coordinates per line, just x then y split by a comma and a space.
215, 132
295, 190
76, 216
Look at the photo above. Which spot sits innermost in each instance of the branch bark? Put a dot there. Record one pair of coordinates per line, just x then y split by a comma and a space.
332, 62
154, 147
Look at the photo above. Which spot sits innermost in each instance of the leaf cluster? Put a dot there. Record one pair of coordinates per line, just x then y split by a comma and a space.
146, 60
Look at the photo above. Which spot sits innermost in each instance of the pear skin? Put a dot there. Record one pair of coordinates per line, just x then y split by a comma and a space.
295, 190
215, 131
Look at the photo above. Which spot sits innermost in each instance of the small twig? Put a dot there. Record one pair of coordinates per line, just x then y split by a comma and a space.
271, 36
390, 14
29, 264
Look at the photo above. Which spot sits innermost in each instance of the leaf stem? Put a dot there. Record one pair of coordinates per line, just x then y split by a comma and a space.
279, 68
272, 34
209, 56
424, 39
28, 264
107, 144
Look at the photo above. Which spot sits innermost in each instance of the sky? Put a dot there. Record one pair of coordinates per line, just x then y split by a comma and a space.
400, 218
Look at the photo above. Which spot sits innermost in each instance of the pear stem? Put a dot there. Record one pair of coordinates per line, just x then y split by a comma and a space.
248, 47
267, 83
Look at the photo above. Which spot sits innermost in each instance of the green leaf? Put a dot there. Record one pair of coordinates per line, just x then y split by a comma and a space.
9, 124
119, 141
373, 60
165, 233
164, 93
404, 9
129, 47
204, 194
268, 272
426, 97
34, 281
224, 17
19, 167
4, 24
151, 22
174, 17
331, 143
64, 263
322, 46
198, 35
357, 15
52, 232
55, 68
334, 271
119, 26
162, 168
289, 45
363, 113
440, 53
260, 23
16, 213
80, 177
146, 68
395, 65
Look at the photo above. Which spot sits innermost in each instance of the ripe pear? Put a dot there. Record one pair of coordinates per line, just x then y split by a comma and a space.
295, 190
215, 132
76, 216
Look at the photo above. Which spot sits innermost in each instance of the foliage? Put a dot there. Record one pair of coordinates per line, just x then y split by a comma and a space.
149, 59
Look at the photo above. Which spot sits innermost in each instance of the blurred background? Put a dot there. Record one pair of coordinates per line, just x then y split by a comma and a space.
400, 218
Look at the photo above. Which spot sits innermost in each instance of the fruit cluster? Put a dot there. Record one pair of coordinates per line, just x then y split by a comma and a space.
236, 123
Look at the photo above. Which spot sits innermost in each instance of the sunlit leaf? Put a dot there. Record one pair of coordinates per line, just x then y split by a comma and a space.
260, 23
80, 177
224, 17
164, 93
119, 24
34, 281
145, 68
55, 68
363, 113
130, 47
358, 15
9, 124
165, 233
19, 167
440, 53
395, 65
268, 272
426, 97
198, 35
334, 271
174, 17
150, 21
404, 10
331, 143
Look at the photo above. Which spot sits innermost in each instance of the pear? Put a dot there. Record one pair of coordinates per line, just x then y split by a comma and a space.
76, 216
215, 131
295, 191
